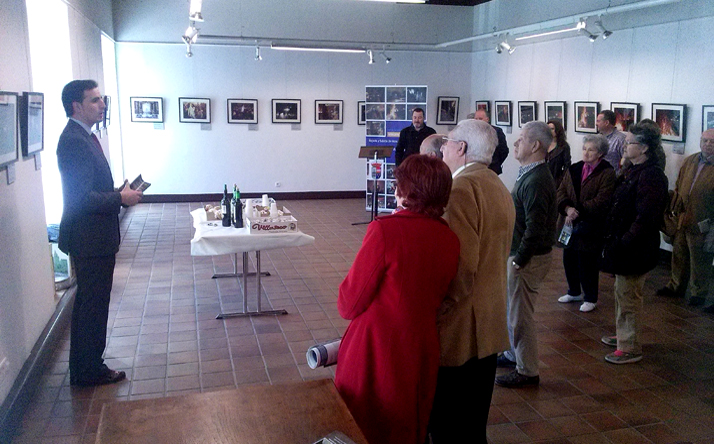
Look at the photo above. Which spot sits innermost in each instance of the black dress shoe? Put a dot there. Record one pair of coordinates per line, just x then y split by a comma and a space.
503, 362
517, 380
110, 377
669, 293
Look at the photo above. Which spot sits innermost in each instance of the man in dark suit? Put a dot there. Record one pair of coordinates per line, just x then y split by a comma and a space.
411, 137
89, 230
499, 156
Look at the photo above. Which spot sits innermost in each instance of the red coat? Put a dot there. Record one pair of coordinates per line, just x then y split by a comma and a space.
389, 356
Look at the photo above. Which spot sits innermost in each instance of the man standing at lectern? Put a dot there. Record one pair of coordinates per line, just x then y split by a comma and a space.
89, 230
411, 137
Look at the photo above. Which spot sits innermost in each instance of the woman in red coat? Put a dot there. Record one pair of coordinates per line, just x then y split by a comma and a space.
389, 356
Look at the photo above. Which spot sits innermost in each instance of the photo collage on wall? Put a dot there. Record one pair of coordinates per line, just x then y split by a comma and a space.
388, 110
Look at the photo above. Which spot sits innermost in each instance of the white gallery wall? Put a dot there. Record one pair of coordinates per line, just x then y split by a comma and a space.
183, 158
668, 63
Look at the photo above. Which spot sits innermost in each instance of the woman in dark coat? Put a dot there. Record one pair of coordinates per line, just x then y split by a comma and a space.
632, 243
389, 355
558, 155
584, 203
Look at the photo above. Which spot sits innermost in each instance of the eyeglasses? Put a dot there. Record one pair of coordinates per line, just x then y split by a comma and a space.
633, 143
446, 139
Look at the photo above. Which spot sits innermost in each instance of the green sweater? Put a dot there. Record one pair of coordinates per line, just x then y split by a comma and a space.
536, 215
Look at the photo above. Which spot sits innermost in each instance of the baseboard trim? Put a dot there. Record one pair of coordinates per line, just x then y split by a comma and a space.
215, 197
28, 380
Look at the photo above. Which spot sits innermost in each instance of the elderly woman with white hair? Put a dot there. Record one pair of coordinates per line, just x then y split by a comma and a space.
583, 205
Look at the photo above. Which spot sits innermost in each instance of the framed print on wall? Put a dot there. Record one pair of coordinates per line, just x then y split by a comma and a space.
503, 112
707, 117
672, 121
484, 105
32, 109
361, 116
626, 114
147, 109
286, 111
555, 110
8, 128
242, 111
328, 111
194, 110
447, 111
527, 112
585, 116
107, 110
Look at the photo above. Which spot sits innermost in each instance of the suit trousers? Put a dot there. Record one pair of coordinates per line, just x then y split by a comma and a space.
628, 307
462, 401
582, 272
691, 265
90, 314
523, 286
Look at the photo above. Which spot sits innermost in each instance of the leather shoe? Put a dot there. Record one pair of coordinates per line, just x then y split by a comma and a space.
110, 377
503, 362
516, 380
668, 292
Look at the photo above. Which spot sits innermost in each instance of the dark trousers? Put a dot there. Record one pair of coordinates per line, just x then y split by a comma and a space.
462, 402
88, 335
581, 271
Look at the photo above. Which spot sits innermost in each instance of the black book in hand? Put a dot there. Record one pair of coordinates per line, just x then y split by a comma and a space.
137, 184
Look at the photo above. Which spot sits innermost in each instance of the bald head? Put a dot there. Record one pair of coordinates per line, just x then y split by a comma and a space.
707, 143
482, 115
431, 146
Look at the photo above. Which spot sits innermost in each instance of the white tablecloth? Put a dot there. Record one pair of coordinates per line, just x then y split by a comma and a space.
212, 239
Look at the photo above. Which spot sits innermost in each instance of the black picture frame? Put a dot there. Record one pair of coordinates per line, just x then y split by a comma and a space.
32, 122
484, 105
585, 115
286, 111
556, 110
147, 109
672, 121
361, 120
242, 111
194, 110
9, 147
107, 111
626, 114
503, 112
447, 111
527, 112
328, 111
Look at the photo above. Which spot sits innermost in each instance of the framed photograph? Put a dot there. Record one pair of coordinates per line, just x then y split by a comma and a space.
503, 112
286, 111
672, 121
626, 114
585, 115
361, 113
194, 110
107, 110
484, 105
32, 107
8, 128
527, 112
242, 111
555, 110
328, 111
707, 117
147, 109
448, 111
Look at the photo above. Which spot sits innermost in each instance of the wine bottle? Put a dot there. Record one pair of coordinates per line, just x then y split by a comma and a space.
238, 215
226, 207
233, 205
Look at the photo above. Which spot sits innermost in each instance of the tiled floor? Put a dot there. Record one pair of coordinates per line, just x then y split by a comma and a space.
165, 336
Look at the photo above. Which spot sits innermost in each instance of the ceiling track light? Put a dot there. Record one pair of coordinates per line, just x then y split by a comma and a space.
592, 37
504, 46
370, 54
258, 57
386, 59
605, 32
191, 34
194, 11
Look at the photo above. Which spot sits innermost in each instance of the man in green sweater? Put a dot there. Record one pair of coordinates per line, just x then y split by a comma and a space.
533, 238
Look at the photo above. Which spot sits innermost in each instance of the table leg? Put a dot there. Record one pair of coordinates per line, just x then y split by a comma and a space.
235, 271
245, 275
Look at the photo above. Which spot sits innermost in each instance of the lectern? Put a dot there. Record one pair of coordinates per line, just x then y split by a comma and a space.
375, 153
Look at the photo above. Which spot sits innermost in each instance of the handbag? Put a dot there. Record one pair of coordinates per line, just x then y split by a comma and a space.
672, 216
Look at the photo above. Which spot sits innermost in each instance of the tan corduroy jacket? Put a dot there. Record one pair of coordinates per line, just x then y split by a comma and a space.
472, 318
697, 201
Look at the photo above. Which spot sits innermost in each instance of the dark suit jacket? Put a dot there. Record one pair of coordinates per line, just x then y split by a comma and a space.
90, 217
499, 156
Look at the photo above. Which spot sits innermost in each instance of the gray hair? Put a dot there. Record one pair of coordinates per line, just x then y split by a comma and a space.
432, 146
600, 141
480, 138
539, 131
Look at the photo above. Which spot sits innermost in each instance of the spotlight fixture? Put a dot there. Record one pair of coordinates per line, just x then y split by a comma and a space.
386, 59
370, 54
504, 46
258, 57
589, 35
194, 11
191, 34
189, 54
605, 32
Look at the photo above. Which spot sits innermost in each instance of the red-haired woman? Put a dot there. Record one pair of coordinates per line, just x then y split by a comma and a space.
389, 356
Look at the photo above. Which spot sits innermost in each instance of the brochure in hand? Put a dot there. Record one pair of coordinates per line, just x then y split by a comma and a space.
137, 184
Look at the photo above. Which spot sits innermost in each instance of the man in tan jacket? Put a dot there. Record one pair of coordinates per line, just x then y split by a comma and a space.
691, 258
472, 318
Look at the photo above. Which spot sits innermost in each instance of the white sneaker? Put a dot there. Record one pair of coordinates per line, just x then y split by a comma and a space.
569, 298
588, 306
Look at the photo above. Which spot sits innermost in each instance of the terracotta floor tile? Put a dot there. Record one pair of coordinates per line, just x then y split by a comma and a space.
505, 433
